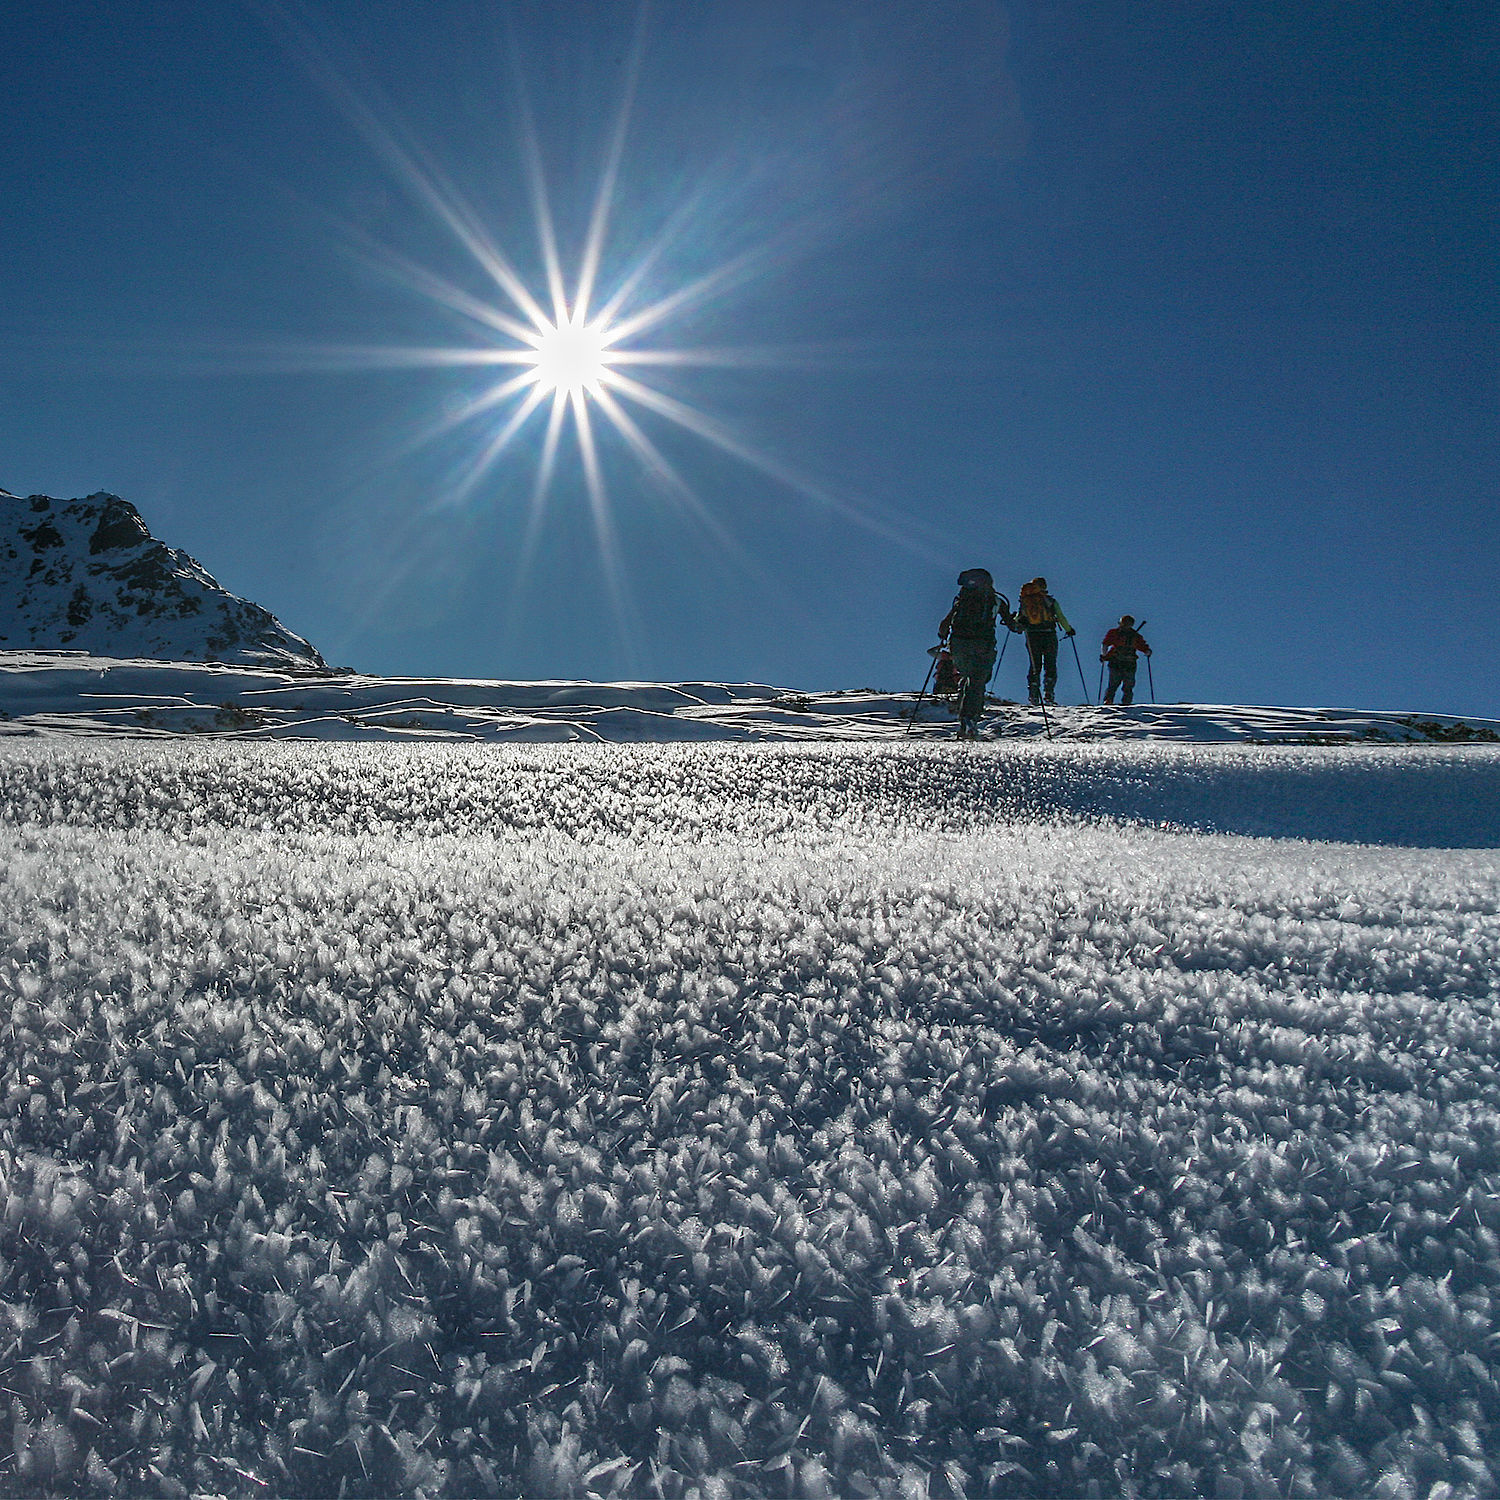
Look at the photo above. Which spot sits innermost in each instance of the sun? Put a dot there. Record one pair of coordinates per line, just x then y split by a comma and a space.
572, 357
573, 347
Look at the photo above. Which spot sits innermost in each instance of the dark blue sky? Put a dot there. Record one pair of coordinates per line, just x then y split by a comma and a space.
1191, 307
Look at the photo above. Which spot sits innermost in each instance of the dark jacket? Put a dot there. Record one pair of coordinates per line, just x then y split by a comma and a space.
1122, 643
972, 617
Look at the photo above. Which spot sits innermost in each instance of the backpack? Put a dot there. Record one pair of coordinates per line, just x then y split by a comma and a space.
973, 611
1036, 606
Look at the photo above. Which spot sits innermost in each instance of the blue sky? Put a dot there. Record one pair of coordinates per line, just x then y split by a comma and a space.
1191, 308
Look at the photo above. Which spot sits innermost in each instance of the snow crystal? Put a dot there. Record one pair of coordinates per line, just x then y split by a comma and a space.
690, 1120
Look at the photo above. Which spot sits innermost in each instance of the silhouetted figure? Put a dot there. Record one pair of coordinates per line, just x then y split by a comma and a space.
1038, 616
969, 631
1121, 647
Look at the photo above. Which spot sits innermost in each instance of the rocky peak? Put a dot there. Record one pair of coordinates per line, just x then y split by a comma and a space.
87, 574
120, 525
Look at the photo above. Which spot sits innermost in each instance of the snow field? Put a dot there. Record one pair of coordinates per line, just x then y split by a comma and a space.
781, 1122
1420, 796
72, 693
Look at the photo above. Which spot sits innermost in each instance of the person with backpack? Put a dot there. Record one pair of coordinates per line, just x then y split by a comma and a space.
1038, 616
968, 630
945, 683
1120, 649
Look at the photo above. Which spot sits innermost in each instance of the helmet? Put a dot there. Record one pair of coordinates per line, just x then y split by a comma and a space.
1127, 619
1040, 582
975, 575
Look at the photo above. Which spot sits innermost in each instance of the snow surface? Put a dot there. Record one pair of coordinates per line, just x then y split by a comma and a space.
894, 1119
62, 692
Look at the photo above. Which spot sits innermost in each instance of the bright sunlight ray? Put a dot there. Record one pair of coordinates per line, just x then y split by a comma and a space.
573, 340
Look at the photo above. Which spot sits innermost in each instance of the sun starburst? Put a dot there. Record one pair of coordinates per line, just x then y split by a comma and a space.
572, 357
565, 350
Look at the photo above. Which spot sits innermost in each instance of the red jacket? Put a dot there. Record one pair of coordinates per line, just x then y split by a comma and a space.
1122, 643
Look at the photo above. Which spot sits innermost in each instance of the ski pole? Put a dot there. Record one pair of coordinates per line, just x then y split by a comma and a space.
917, 706
1082, 680
1148, 664
1005, 618
1041, 693
1101, 682
1005, 645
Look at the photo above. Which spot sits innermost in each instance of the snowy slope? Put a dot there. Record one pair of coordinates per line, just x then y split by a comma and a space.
707, 1120
87, 574
74, 693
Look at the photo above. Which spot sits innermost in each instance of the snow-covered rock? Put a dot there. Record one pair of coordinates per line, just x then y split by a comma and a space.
88, 574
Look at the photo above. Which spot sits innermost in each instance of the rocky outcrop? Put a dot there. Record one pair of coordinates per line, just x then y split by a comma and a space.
88, 575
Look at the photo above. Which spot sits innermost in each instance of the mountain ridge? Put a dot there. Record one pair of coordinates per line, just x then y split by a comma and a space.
87, 574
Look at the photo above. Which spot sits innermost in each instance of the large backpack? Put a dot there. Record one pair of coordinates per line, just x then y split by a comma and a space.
974, 611
1036, 607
